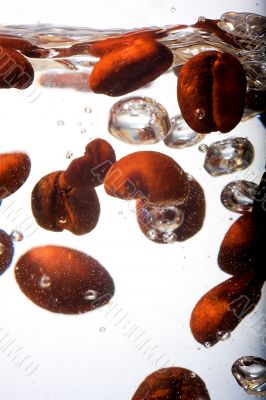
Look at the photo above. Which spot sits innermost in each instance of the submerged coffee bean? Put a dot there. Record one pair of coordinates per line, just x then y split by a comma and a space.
6, 250
57, 206
172, 384
63, 280
211, 92
14, 171
15, 69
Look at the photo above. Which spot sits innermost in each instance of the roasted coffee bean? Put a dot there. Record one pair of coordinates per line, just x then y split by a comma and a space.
172, 384
193, 209
6, 250
14, 171
243, 248
221, 309
57, 206
130, 67
90, 169
63, 280
15, 70
147, 175
211, 92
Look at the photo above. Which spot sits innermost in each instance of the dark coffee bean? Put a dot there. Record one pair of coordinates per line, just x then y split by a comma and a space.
14, 171
6, 251
15, 70
208, 85
63, 280
57, 206
172, 384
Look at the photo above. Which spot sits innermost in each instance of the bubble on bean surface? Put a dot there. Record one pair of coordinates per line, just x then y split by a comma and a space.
222, 336
45, 282
91, 295
152, 234
2, 248
238, 196
207, 345
17, 236
60, 122
200, 113
169, 237
203, 148
228, 156
138, 120
201, 19
250, 374
181, 135
165, 219
69, 154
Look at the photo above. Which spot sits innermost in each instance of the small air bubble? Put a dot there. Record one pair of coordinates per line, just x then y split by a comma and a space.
199, 113
173, 9
69, 154
223, 335
152, 234
91, 295
88, 110
201, 19
207, 345
60, 122
83, 130
45, 282
169, 237
102, 329
17, 236
203, 148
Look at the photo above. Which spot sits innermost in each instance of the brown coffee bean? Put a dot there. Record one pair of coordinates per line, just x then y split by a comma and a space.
14, 171
211, 92
130, 67
90, 169
259, 204
147, 175
172, 384
243, 247
57, 206
193, 209
15, 70
221, 309
63, 280
6, 251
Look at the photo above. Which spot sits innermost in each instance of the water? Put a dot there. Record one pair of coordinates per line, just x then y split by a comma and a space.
238, 196
250, 374
138, 120
181, 135
228, 156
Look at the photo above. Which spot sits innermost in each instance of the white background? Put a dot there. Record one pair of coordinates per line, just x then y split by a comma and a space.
156, 285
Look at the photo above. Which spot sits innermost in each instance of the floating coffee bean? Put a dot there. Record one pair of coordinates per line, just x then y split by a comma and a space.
223, 307
130, 67
243, 248
172, 384
57, 206
15, 70
63, 280
193, 209
6, 251
147, 175
90, 169
211, 92
14, 171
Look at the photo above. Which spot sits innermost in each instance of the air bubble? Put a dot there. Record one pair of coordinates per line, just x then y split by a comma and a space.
69, 154
138, 120
181, 135
250, 374
221, 336
45, 282
203, 148
83, 130
200, 113
91, 295
102, 329
60, 122
88, 110
169, 237
173, 9
238, 196
152, 234
207, 345
17, 236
